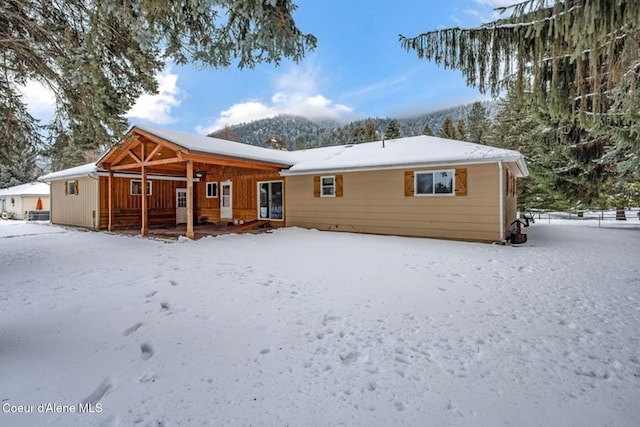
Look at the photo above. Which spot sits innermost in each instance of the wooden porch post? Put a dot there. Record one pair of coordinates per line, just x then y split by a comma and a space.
110, 202
190, 233
145, 223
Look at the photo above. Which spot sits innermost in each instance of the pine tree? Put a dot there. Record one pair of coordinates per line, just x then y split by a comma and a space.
461, 131
427, 130
581, 56
19, 146
560, 157
98, 57
479, 124
448, 130
393, 130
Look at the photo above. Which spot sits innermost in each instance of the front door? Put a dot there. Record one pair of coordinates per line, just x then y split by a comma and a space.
226, 200
181, 205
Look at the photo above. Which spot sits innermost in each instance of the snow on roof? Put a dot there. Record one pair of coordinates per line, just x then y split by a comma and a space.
221, 147
29, 189
75, 172
402, 152
415, 151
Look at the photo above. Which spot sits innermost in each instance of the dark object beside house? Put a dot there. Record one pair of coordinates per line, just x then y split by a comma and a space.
516, 236
38, 216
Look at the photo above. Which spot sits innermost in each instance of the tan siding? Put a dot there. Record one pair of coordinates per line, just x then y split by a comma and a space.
78, 210
375, 202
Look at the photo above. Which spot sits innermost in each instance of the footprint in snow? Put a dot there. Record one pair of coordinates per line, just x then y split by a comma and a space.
150, 294
131, 329
147, 351
97, 394
164, 305
173, 283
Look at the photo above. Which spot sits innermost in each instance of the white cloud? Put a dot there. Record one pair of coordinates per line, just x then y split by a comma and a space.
40, 101
295, 92
157, 108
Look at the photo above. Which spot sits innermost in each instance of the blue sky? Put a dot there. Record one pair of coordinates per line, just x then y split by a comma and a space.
358, 70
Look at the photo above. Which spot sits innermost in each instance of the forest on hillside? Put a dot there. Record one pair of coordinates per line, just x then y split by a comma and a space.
296, 132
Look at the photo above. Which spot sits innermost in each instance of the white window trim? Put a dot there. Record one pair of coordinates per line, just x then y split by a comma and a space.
207, 190
258, 192
453, 184
333, 177
150, 183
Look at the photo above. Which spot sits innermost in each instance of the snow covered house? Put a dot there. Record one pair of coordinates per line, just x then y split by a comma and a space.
416, 186
16, 202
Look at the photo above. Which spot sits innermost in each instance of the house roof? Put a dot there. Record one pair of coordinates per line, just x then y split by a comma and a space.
29, 189
410, 152
415, 151
220, 147
75, 172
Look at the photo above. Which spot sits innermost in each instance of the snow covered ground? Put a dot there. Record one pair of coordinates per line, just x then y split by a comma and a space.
301, 327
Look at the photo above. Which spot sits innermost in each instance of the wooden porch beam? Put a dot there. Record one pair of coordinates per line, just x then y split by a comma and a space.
153, 153
125, 151
190, 233
134, 157
163, 161
145, 226
157, 139
154, 163
110, 202
227, 161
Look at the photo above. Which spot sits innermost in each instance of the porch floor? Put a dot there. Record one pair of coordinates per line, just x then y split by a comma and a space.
201, 230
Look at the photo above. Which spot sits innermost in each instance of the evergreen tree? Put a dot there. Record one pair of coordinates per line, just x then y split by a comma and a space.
300, 143
560, 157
393, 130
427, 130
448, 130
370, 132
580, 55
19, 146
98, 57
227, 134
479, 124
461, 131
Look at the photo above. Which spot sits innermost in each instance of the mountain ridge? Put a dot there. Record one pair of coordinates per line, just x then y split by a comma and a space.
297, 132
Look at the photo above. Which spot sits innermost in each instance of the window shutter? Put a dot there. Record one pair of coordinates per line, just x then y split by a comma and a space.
66, 188
461, 182
316, 186
338, 185
408, 183
77, 192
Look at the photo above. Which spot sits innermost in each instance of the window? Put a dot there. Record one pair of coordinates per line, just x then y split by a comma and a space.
71, 188
327, 186
270, 200
434, 183
136, 188
212, 190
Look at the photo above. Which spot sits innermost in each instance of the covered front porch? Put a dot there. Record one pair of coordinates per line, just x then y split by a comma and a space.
167, 186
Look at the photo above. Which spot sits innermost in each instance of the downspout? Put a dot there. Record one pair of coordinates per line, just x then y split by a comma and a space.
501, 198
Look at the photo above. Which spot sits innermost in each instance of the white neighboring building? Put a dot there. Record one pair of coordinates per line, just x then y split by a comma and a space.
16, 202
